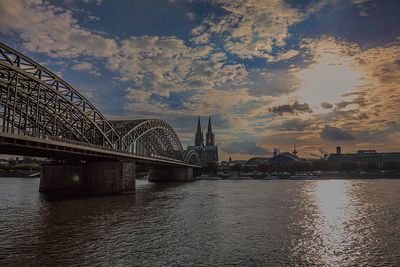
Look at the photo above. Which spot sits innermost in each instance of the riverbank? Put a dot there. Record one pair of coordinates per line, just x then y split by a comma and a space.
250, 176
304, 176
360, 175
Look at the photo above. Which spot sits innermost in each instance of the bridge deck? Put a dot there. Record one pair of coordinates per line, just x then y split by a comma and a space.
52, 147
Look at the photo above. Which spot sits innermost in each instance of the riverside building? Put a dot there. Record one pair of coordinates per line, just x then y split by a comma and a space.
363, 159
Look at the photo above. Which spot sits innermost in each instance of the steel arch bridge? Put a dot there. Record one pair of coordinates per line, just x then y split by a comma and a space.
38, 107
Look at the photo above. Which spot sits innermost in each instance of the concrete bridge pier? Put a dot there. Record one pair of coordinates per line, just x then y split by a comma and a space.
101, 177
171, 174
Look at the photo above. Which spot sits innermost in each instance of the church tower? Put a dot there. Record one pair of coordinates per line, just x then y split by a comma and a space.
199, 139
210, 136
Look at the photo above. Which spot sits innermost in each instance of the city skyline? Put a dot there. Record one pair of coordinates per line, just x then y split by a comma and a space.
269, 73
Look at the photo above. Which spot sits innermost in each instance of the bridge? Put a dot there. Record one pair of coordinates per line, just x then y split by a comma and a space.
42, 115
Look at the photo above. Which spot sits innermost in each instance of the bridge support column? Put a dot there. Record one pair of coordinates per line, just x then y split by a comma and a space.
101, 177
171, 174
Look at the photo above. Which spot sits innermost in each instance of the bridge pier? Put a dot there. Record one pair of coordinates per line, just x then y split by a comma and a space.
101, 177
169, 174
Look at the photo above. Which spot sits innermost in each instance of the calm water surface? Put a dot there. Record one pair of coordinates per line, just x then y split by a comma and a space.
205, 223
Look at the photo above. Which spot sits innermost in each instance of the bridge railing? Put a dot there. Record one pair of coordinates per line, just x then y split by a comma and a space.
42, 136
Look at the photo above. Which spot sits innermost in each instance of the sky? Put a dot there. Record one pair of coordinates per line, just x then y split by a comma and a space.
270, 73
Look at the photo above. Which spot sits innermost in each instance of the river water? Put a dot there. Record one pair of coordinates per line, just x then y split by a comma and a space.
205, 223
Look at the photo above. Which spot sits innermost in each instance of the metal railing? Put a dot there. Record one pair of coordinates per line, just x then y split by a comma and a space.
42, 136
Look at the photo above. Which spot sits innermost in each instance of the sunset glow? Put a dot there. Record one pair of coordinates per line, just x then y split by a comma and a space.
270, 73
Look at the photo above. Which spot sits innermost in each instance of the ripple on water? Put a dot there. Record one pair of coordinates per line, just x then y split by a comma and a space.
205, 223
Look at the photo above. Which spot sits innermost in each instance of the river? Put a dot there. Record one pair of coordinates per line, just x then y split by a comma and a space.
205, 223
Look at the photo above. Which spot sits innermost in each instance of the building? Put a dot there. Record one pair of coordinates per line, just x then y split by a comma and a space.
362, 160
255, 161
281, 160
208, 151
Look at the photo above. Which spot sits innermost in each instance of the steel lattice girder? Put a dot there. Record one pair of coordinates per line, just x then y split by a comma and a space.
30, 107
192, 157
50, 86
35, 100
156, 136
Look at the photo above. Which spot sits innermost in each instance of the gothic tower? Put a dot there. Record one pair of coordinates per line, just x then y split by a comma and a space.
199, 139
209, 136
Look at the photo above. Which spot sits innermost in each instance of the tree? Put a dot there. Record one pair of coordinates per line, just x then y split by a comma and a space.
262, 167
320, 165
237, 167
298, 166
372, 166
391, 165
211, 168
347, 166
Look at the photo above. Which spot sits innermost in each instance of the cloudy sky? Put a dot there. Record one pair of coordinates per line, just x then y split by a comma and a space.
271, 73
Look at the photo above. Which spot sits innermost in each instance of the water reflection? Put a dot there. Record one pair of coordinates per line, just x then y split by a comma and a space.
328, 223
343, 223
205, 223
335, 211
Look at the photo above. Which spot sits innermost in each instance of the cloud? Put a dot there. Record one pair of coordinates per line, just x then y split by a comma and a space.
252, 28
246, 147
165, 64
326, 105
295, 108
273, 82
83, 66
191, 15
237, 106
86, 66
284, 56
331, 73
90, 17
368, 79
137, 95
362, 13
88, 93
335, 134
322, 150
359, 2
97, 2
294, 125
171, 77
51, 30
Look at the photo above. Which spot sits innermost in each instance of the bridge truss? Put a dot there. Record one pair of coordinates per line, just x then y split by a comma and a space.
36, 102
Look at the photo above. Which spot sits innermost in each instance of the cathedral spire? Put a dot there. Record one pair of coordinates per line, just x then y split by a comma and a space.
199, 139
210, 136
198, 125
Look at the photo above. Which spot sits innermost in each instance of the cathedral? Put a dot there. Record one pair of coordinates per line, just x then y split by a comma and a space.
209, 151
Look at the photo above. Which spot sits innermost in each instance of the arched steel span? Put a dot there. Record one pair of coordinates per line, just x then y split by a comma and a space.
192, 157
149, 137
36, 101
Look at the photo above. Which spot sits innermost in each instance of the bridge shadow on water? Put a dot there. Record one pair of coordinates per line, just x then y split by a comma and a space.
64, 228
94, 222
143, 188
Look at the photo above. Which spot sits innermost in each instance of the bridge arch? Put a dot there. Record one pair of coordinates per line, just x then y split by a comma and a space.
192, 157
36, 102
152, 137
34, 99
